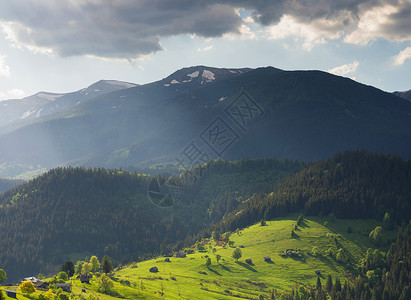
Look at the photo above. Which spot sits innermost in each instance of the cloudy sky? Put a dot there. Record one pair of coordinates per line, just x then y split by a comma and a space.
65, 45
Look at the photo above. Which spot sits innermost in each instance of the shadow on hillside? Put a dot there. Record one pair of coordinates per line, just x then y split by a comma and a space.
247, 266
225, 268
303, 224
327, 262
214, 271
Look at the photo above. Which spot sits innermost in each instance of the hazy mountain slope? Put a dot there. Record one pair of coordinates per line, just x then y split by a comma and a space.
308, 115
6, 184
99, 126
71, 99
21, 112
16, 109
405, 95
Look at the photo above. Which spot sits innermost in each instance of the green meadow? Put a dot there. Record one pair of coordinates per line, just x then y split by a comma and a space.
314, 243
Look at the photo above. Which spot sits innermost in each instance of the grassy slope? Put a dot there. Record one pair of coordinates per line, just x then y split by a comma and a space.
229, 277
180, 278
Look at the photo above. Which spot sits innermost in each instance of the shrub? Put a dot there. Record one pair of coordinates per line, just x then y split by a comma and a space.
341, 256
105, 284
375, 235
63, 296
63, 276
237, 254
208, 262
27, 287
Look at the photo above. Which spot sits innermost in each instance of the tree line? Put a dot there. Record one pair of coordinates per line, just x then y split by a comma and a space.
354, 184
107, 212
384, 277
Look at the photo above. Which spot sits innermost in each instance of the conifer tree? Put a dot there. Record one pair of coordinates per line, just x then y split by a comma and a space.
329, 283
318, 285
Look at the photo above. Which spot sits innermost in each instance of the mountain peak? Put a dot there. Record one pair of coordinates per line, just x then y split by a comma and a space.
48, 96
107, 86
201, 75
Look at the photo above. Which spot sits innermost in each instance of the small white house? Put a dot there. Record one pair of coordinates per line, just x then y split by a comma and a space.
32, 279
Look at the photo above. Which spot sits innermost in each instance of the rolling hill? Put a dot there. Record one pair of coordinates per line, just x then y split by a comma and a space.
311, 254
73, 212
67, 214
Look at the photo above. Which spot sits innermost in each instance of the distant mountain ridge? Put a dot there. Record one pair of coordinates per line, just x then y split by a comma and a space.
6, 184
405, 94
306, 115
45, 103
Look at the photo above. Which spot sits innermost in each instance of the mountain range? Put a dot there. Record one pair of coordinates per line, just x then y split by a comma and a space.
227, 113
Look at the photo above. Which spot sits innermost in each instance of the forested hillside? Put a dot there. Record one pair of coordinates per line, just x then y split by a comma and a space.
355, 184
386, 276
69, 213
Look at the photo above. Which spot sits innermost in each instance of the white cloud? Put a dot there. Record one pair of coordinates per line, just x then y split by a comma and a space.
244, 33
401, 57
371, 25
10, 30
4, 69
317, 32
345, 70
205, 49
12, 94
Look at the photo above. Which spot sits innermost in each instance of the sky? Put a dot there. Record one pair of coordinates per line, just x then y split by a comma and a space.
65, 45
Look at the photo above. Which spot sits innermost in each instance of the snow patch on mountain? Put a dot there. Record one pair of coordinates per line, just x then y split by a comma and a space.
121, 83
194, 74
27, 114
39, 112
49, 96
208, 75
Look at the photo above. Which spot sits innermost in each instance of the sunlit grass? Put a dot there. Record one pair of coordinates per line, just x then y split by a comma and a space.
189, 278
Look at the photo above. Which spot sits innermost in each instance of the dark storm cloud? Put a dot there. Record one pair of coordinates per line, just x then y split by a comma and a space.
120, 28
130, 28
401, 22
